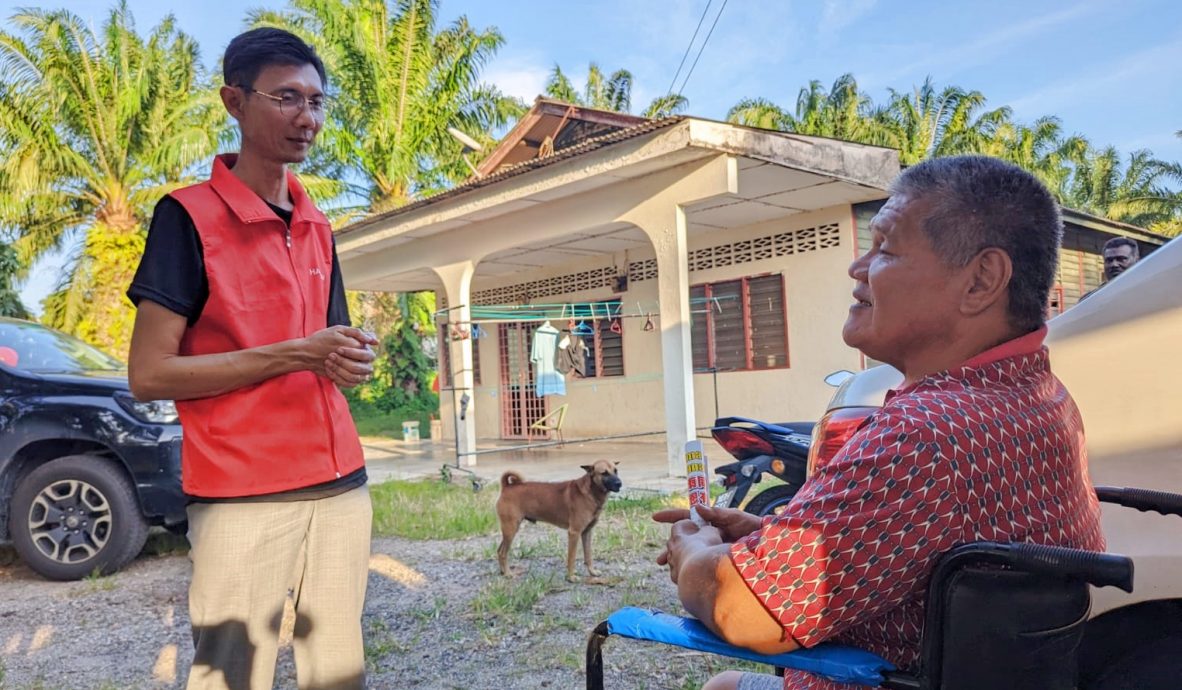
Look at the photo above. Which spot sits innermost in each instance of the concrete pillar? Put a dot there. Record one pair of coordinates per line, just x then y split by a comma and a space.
457, 286
662, 217
667, 230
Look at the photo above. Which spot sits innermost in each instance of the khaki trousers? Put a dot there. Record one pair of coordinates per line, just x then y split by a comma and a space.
246, 556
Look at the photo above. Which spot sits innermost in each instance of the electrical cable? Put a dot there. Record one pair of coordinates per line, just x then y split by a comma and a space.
701, 48
688, 48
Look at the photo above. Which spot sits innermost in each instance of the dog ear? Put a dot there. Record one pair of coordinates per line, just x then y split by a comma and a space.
588, 468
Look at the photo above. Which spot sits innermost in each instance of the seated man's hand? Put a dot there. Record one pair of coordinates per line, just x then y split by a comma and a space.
732, 524
686, 539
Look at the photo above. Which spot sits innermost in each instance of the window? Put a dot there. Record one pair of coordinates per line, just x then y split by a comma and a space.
739, 325
1055, 304
605, 351
605, 347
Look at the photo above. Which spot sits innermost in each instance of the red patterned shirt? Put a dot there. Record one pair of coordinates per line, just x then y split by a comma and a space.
990, 451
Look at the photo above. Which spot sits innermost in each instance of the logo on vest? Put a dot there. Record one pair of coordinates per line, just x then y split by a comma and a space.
316, 273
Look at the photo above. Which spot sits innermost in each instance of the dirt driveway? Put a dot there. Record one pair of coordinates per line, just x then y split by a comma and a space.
438, 615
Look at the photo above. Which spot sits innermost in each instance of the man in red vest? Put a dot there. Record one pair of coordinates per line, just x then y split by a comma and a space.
242, 320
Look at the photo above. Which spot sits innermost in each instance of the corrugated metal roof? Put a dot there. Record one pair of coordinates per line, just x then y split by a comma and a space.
1089, 218
519, 168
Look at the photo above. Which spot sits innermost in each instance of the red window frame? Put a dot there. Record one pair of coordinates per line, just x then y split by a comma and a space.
707, 311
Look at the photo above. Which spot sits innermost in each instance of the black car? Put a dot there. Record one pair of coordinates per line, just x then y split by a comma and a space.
85, 468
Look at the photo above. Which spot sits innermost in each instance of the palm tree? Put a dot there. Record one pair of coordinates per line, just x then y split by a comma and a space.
1173, 226
398, 84
1140, 192
927, 123
95, 128
10, 301
613, 92
1039, 148
842, 112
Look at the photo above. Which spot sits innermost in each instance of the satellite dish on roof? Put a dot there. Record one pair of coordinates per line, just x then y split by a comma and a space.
469, 143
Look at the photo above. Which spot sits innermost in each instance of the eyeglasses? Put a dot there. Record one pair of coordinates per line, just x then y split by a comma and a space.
292, 103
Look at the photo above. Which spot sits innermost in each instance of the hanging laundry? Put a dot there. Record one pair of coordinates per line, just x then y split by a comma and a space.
572, 357
547, 379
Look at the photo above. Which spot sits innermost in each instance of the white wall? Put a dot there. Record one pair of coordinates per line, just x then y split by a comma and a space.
818, 296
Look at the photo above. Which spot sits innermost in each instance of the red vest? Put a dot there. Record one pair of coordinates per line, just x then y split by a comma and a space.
266, 284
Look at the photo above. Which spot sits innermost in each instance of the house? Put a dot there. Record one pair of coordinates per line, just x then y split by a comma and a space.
704, 261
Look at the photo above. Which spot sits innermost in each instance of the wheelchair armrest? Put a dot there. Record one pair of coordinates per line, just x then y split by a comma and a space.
1099, 569
1144, 500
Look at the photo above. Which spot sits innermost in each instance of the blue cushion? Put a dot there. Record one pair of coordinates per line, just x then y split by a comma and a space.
835, 662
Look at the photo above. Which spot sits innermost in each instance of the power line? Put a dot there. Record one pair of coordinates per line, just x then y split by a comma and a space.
702, 48
689, 47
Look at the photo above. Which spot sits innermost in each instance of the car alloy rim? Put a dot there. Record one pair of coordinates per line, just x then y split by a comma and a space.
70, 521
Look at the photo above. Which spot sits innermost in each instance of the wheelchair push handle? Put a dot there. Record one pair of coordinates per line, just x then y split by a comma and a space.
1144, 500
1100, 569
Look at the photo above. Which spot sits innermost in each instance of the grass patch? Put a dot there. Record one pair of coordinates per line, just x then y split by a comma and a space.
628, 526
645, 504
380, 425
540, 541
510, 597
430, 509
94, 583
371, 421
425, 614
380, 643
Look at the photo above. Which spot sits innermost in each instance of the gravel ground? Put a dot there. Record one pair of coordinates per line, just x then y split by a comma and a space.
438, 615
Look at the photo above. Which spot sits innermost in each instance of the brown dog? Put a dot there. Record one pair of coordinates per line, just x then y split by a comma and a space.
574, 505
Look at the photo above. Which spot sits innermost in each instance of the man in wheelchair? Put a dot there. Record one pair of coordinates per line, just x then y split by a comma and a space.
980, 443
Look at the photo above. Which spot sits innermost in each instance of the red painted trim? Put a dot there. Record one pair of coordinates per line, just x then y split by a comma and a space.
503, 352
708, 291
598, 339
787, 341
745, 301
854, 230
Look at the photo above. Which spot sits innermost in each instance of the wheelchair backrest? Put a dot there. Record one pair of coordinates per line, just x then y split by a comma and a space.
989, 628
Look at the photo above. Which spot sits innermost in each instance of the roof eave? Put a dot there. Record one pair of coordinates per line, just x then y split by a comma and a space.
1101, 224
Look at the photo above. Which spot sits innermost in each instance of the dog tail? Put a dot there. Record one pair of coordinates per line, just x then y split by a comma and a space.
510, 478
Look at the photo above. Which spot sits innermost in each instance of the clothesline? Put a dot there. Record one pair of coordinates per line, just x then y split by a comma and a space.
607, 309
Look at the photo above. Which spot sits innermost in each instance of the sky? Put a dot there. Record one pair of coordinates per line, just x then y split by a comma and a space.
1108, 70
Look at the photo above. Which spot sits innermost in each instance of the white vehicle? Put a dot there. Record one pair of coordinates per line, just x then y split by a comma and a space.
1120, 355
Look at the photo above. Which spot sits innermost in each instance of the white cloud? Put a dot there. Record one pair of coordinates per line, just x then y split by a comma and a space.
522, 77
838, 14
950, 59
1155, 62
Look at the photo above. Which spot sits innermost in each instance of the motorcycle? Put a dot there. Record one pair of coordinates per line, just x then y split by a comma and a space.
785, 451
759, 448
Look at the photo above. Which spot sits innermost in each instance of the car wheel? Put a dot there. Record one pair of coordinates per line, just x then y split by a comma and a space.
77, 515
771, 501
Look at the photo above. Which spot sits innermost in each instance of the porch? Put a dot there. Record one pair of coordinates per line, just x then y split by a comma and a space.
624, 218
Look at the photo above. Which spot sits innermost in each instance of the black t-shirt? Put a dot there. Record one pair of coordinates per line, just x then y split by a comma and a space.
172, 271
172, 274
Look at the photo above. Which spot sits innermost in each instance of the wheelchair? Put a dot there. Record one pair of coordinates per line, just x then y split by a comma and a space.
998, 616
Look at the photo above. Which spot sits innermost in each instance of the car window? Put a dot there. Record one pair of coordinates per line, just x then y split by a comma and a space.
31, 347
